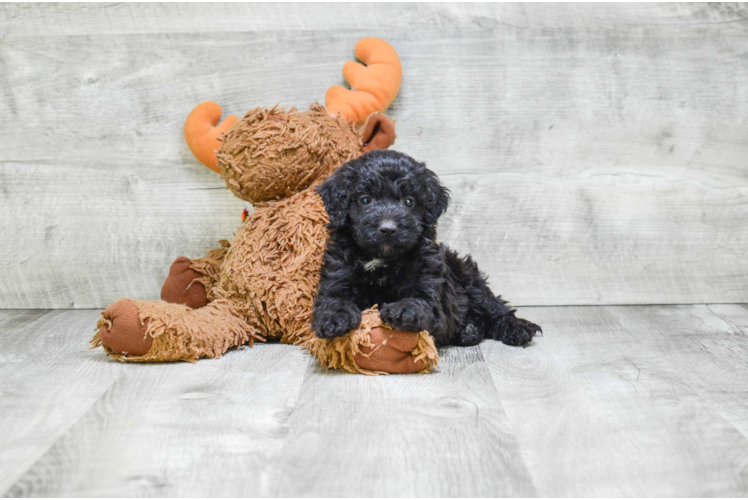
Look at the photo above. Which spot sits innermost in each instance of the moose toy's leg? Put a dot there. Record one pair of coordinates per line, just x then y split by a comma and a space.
190, 282
373, 348
394, 351
133, 330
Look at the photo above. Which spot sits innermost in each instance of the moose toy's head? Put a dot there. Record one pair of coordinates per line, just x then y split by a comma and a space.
273, 153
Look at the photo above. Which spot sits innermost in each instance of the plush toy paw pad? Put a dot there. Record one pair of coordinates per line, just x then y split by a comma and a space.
390, 352
126, 335
182, 287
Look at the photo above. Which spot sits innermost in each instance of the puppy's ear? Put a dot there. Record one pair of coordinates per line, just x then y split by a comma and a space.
334, 194
437, 198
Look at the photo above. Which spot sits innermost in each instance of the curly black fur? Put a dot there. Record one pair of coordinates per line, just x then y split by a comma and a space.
383, 209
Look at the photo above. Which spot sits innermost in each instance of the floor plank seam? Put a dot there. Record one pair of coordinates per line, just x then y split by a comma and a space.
61, 436
737, 327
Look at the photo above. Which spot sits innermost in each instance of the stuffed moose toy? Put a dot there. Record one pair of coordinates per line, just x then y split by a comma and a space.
262, 284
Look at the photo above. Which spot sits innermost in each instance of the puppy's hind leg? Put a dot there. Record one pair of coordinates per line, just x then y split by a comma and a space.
512, 330
490, 314
501, 324
470, 335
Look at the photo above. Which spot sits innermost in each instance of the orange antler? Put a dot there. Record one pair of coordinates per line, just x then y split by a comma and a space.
202, 132
373, 87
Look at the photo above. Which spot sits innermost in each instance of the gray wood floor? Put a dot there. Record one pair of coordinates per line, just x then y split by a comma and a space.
629, 400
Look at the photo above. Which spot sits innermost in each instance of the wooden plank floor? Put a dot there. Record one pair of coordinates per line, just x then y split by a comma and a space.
630, 400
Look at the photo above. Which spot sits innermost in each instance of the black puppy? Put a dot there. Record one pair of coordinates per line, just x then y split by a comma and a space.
382, 250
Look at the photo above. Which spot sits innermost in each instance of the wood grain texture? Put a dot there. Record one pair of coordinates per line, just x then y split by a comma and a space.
611, 401
88, 426
87, 19
49, 382
629, 401
438, 435
87, 235
596, 154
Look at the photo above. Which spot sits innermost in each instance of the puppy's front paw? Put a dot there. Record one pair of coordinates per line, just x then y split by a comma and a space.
519, 332
407, 314
335, 320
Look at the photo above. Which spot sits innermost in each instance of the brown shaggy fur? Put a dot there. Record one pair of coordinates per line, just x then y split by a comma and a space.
263, 283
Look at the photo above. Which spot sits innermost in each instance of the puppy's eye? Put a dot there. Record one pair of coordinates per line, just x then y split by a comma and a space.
409, 202
364, 200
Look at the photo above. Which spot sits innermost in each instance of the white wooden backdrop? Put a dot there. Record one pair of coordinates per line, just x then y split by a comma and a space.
597, 154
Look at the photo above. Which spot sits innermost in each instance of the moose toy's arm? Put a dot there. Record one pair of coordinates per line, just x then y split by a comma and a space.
190, 282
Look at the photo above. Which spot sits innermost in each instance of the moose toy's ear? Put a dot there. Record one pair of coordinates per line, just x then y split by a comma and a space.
378, 133
334, 194
437, 198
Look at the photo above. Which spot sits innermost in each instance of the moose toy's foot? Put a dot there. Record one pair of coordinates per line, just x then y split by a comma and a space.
374, 348
392, 351
121, 332
156, 331
182, 286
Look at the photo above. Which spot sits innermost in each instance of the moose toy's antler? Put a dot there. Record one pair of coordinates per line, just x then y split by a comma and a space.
203, 132
373, 87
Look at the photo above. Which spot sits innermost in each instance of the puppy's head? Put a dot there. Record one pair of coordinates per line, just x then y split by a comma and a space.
386, 201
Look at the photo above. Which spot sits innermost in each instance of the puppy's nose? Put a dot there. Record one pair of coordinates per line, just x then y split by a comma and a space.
388, 228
